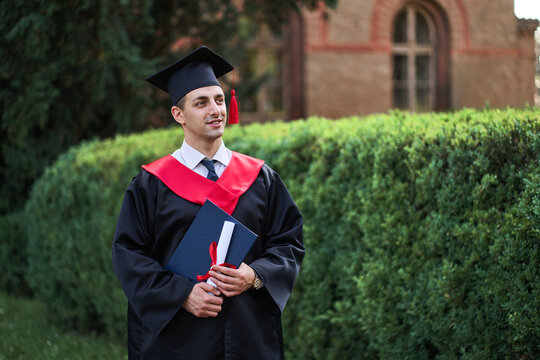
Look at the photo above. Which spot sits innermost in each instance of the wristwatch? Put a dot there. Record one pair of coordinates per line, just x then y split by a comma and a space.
257, 283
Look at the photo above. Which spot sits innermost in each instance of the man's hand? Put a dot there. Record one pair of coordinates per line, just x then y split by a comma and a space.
232, 282
202, 304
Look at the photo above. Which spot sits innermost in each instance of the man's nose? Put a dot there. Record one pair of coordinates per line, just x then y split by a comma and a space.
214, 108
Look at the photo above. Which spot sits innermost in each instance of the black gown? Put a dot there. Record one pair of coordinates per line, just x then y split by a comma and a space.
152, 222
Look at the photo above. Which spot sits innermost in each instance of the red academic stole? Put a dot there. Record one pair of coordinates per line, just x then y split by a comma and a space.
238, 176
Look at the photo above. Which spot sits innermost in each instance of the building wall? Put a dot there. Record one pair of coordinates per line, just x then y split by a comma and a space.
496, 66
347, 54
336, 91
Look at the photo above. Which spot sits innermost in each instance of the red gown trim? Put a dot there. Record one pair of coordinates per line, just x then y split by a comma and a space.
238, 176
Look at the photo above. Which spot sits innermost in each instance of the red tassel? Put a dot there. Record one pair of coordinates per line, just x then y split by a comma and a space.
233, 109
233, 106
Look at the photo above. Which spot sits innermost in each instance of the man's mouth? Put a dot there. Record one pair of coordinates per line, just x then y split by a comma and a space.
215, 122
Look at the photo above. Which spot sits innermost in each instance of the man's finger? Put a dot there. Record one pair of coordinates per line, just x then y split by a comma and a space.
213, 308
222, 277
209, 288
230, 293
224, 270
223, 285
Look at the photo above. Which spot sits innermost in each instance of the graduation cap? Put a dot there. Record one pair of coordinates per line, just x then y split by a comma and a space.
197, 69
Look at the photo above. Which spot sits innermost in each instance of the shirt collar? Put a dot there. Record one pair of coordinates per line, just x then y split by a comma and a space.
193, 157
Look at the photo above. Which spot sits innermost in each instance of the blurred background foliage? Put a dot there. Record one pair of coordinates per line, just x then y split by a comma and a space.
73, 70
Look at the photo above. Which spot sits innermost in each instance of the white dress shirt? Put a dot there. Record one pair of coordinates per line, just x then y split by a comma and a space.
191, 158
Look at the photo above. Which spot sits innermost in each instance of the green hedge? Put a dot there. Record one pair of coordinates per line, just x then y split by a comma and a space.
72, 212
422, 232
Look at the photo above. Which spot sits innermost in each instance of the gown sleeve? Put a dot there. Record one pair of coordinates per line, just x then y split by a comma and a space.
155, 294
279, 263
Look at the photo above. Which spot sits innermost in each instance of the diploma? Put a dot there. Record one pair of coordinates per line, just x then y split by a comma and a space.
198, 250
223, 245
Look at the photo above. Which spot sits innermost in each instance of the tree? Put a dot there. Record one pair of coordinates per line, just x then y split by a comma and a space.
70, 71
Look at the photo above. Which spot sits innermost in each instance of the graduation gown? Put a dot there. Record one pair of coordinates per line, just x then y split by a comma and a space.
159, 206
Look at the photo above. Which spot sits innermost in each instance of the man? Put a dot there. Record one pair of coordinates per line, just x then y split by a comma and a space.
170, 316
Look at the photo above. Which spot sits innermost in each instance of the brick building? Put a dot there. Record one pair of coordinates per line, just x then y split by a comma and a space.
369, 56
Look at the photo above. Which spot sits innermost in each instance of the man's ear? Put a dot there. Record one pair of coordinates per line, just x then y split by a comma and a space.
178, 114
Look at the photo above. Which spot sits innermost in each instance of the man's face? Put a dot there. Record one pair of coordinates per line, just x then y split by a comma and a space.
203, 117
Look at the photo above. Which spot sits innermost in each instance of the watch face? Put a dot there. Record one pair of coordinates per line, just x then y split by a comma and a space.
257, 283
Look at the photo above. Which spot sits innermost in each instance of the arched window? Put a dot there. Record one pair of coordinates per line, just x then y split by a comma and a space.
414, 60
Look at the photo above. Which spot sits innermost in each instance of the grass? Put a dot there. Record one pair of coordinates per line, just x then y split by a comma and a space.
27, 333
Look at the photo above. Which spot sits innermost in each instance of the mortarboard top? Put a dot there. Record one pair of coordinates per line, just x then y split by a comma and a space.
198, 69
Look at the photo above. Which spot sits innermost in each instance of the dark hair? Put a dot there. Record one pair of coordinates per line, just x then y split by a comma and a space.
181, 103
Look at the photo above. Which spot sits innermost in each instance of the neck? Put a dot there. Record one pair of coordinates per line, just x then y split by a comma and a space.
206, 148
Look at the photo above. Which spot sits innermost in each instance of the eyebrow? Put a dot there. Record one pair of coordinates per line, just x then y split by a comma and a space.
204, 97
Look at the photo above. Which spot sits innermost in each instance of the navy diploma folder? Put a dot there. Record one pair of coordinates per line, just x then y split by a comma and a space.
192, 257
